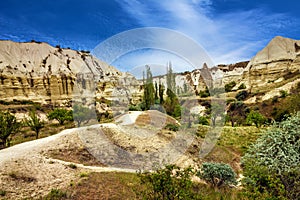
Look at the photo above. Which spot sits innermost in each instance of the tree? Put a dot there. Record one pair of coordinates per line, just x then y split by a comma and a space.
217, 109
82, 114
272, 164
156, 92
256, 118
172, 105
217, 174
35, 123
61, 115
8, 126
237, 113
171, 84
161, 93
149, 93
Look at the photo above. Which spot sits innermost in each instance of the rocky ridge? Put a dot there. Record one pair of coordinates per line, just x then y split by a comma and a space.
41, 73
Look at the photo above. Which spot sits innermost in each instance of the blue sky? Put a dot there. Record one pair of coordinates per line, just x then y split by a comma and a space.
229, 30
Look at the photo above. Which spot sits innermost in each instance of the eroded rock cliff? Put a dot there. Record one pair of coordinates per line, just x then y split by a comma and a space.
51, 75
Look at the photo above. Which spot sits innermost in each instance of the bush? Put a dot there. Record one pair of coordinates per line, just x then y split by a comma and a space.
272, 164
217, 174
2, 193
170, 182
134, 108
283, 93
172, 127
242, 87
229, 86
242, 95
203, 120
56, 194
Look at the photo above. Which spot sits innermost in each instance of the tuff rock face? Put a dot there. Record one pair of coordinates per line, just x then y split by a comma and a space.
51, 75
279, 59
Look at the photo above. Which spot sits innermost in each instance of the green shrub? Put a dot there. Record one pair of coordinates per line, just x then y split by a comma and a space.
172, 127
203, 120
229, 86
283, 93
272, 164
170, 182
134, 108
217, 174
242, 95
2, 193
56, 194
242, 86
72, 166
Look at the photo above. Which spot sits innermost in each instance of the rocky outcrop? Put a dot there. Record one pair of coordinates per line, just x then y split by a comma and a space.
279, 59
51, 75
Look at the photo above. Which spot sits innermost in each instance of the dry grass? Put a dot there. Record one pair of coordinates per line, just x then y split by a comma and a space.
76, 155
105, 186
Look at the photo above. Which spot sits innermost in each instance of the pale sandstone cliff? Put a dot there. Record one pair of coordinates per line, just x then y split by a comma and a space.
278, 59
51, 75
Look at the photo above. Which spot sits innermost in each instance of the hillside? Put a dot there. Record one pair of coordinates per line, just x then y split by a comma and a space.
50, 75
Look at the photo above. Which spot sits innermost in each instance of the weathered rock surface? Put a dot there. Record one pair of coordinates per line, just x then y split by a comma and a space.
280, 58
51, 75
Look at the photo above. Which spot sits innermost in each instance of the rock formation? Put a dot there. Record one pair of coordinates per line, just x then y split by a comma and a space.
279, 59
41, 73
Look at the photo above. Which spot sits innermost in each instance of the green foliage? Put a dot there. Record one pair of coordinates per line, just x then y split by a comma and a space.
72, 166
242, 95
283, 93
217, 109
275, 159
8, 127
237, 113
134, 108
56, 194
242, 87
256, 118
172, 127
169, 183
61, 115
149, 93
171, 84
205, 93
161, 90
35, 123
229, 86
171, 105
217, 174
82, 114
2, 193
203, 120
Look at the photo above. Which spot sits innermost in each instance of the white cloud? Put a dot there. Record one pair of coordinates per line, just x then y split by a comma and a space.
227, 37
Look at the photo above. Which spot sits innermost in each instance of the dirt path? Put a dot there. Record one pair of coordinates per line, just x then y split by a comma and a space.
26, 171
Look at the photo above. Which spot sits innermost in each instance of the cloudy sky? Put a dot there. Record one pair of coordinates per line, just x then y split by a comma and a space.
228, 30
